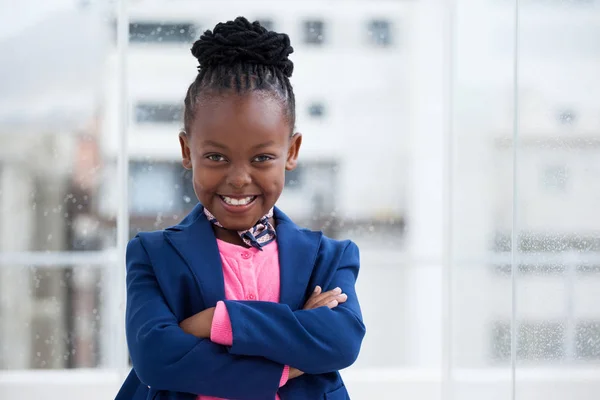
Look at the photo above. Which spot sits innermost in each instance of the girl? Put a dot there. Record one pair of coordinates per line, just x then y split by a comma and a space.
228, 304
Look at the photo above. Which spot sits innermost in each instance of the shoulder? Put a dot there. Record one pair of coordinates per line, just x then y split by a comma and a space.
332, 250
143, 239
327, 247
145, 244
336, 245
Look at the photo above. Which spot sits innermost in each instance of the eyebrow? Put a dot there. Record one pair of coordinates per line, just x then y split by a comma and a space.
222, 146
263, 145
214, 144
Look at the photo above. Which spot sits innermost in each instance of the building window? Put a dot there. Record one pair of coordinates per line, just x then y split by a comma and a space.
158, 113
314, 31
567, 117
159, 187
152, 32
536, 341
293, 179
587, 340
380, 33
267, 23
554, 178
316, 110
531, 242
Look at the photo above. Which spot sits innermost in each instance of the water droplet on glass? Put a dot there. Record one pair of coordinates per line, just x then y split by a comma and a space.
187, 199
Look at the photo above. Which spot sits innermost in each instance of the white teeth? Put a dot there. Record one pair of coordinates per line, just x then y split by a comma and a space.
237, 202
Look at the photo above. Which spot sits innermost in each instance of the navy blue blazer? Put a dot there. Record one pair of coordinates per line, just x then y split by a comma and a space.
176, 273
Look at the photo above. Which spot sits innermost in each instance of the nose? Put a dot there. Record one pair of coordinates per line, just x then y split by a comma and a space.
238, 177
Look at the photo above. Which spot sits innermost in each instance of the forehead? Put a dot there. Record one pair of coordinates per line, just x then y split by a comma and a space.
239, 119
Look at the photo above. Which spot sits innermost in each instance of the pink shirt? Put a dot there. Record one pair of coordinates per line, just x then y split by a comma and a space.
250, 274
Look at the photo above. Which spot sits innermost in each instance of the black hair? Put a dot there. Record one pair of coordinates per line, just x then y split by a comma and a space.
242, 57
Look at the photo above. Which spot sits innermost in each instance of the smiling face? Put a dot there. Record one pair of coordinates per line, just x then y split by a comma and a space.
238, 147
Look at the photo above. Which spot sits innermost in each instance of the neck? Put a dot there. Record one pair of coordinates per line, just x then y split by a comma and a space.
228, 236
233, 237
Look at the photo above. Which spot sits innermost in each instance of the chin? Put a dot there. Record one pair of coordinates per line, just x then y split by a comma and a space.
238, 224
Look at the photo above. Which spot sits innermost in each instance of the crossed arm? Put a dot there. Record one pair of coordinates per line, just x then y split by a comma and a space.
325, 336
201, 325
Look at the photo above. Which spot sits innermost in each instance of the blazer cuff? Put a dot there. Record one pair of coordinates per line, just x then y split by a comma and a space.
284, 376
220, 330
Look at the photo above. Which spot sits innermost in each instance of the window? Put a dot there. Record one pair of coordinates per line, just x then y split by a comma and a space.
587, 340
293, 179
316, 110
62, 270
536, 341
158, 113
532, 268
544, 254
555, 178
380, 33
314, 32
267, 23
154, 32
160, 187
567, 117
530, 242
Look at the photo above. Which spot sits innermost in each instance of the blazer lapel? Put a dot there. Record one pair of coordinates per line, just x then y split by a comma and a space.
195, 242
297, 256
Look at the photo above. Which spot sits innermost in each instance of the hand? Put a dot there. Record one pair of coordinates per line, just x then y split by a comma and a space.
331, 299
199, 324
294, 373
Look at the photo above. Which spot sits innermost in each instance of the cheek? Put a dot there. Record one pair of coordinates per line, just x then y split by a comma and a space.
276, 180
204, 180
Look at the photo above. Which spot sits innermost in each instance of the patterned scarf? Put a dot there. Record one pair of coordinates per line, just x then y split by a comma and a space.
258, 236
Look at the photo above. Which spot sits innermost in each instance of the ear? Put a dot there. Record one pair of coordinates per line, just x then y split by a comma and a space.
186, 158
293, 151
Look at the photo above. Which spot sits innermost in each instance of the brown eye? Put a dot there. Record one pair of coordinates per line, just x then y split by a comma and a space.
215, 157
262, 158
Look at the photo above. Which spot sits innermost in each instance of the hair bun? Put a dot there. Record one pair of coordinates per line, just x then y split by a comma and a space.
240, 41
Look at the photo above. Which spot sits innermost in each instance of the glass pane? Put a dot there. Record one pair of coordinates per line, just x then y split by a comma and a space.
481, 200
52, 317
160, 193
56, 228
558, 252
52, 130
157, 32
345, 185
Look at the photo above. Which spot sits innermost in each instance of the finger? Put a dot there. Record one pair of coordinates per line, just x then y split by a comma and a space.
332, 304
333, 292
317, 296
337, 290
311, 300
324, 299
321, 299
340, 298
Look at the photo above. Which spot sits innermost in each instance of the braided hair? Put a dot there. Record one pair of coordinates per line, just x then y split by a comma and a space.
241, 56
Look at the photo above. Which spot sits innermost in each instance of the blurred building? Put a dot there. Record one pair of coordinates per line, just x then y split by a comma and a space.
370, 87
555, 192
49, 163
369, 160
346, 67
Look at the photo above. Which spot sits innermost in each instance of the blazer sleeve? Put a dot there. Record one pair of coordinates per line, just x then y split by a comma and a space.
314, 341
166, 358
